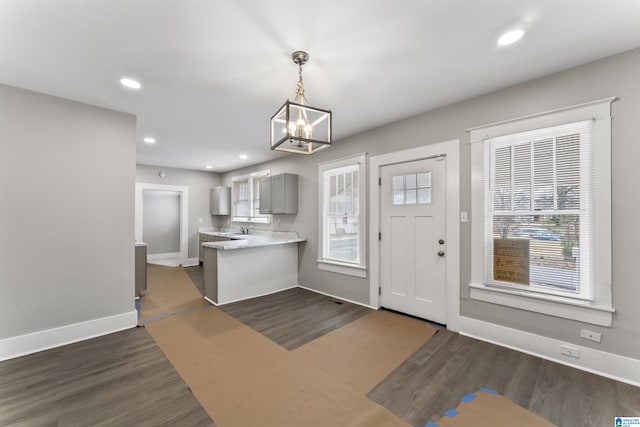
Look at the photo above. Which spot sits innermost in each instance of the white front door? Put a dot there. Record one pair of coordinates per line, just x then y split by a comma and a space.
412, 247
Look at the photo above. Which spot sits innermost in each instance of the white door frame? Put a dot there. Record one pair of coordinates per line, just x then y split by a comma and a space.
452, 193
184, 213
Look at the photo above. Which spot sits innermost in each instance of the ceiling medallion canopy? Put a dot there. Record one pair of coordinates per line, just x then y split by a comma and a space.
298, 127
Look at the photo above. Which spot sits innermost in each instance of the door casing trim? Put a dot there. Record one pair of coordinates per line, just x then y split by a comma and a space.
184, 214
452, 205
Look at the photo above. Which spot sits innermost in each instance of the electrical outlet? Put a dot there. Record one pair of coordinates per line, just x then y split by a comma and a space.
464, 216
567, 350
590, 335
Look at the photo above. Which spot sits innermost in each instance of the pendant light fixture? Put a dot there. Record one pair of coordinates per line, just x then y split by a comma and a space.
298, 127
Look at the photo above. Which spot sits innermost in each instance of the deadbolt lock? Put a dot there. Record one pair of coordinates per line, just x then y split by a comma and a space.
441, 241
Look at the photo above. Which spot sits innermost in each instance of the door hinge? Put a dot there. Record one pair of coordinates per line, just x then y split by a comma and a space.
380, 181
379, 235
379, 290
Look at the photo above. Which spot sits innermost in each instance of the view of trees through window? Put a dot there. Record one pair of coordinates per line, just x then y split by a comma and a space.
536, 197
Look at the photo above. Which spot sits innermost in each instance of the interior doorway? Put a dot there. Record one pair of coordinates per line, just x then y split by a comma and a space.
161, 221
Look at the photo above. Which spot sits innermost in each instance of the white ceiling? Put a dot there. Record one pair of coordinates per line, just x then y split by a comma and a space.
214, 71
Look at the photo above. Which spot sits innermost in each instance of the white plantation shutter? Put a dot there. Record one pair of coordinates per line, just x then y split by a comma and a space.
540, 190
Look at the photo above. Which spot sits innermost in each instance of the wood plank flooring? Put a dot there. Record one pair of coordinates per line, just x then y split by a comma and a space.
294, 317
115, 380
450, 365
124, 379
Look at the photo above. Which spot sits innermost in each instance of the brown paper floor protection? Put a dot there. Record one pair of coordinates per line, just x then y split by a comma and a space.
240, 377
170, 290
363, 352
492, 410
243, 379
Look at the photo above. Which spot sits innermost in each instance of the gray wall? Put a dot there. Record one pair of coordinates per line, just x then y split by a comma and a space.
161, 221
199, 183
66, 212
614, 76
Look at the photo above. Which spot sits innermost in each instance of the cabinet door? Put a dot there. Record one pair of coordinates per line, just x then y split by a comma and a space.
278, 194
265, 195
221, 201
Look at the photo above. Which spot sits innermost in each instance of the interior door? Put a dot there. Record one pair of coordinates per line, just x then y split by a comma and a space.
161, 223
412, 247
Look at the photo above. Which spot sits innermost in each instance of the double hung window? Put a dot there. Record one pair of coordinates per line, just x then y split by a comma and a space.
342, 216
246, 198
541, 225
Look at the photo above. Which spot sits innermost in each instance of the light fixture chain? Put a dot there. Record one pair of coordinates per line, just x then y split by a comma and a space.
300, 85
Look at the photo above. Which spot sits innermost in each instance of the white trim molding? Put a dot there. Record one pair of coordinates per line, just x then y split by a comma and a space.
340, 268
619, 368
50, 338
451, 149
359, 268
598, 308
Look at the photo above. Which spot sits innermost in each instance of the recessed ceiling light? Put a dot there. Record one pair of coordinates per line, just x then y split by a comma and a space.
130, 83
208, 167
510, 37
149, 140
243, 156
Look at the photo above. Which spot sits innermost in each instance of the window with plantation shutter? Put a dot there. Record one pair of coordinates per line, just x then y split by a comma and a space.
541, 213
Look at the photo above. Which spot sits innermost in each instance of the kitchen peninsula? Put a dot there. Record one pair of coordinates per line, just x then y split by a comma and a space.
249, 265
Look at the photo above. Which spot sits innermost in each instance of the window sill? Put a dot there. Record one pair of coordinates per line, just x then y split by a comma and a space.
342, 268
544, 304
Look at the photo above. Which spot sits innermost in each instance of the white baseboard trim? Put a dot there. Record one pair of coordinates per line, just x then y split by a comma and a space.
619, 368
190, 262
340, 298
210, 301
43, 340
251, 297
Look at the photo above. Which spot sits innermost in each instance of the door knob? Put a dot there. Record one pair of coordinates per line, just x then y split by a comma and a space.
440, 253
441, 241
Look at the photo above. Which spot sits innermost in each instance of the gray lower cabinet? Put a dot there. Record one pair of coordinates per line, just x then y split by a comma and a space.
203, 238
141, 269
279, 194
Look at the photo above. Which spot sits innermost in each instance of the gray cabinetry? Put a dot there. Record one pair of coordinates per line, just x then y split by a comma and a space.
141, 269
204, 238
279, 194
221, 201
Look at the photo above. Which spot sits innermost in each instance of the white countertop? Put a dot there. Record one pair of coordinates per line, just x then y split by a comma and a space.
241, 241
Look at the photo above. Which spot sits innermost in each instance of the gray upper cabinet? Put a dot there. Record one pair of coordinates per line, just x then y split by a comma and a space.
279, 194
221, 201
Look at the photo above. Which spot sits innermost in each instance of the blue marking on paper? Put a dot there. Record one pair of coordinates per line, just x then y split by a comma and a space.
431, 425
468, 398
451, 413
488, 390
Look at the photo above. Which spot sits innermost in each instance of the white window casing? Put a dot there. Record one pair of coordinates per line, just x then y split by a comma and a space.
530, 176
342, 216
245, 198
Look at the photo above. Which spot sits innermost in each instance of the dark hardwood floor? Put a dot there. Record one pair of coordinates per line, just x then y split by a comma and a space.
124, 379
121, 379
450, 365
294, 317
